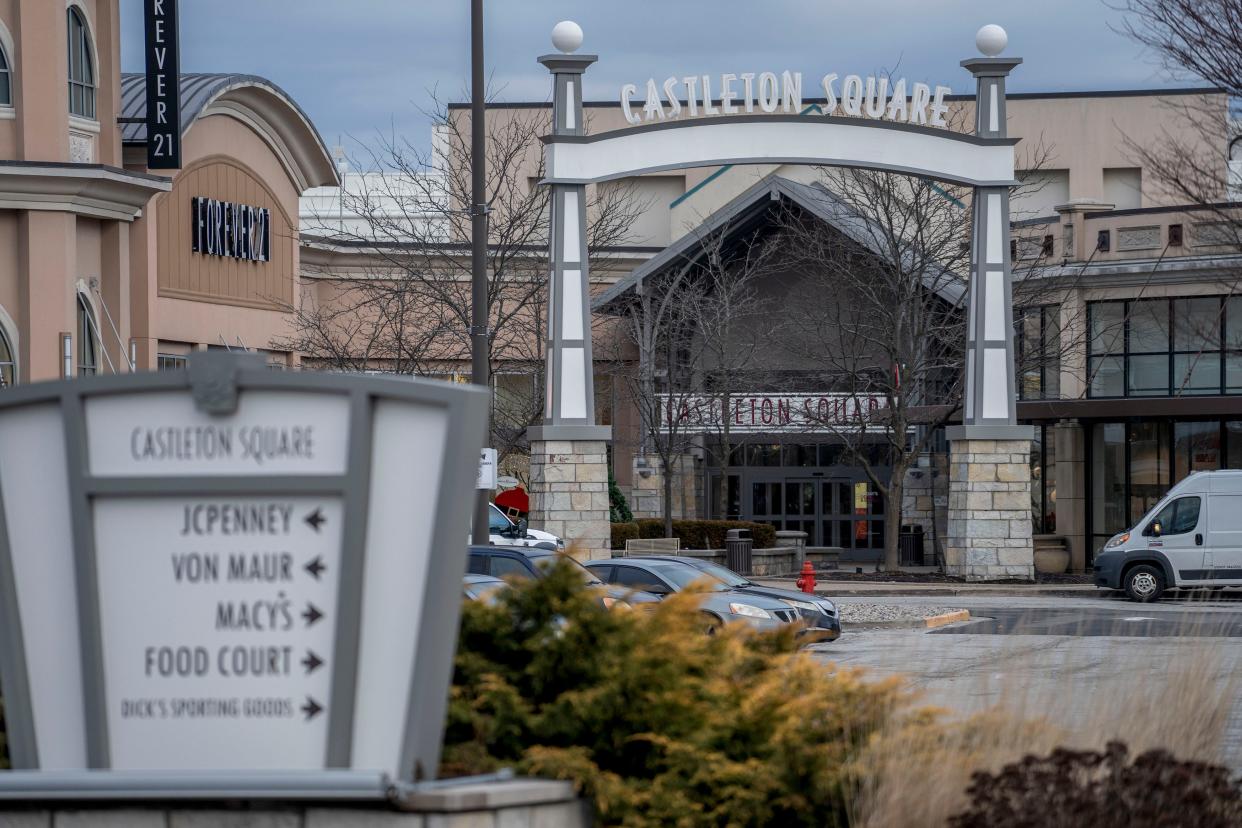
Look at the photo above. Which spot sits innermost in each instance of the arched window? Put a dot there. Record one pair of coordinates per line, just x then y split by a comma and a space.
6, 80
81, 68
88, 342
8, 362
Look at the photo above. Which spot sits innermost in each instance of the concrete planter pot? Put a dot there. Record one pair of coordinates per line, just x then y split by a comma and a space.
1051, 560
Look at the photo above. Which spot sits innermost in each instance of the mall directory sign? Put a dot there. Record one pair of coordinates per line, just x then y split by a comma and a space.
231, 569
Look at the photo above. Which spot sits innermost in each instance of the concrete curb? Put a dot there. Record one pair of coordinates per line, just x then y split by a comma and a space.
914, 624
998, 591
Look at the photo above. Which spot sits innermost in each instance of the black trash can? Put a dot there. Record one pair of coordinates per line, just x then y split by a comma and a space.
738, 548
910, 546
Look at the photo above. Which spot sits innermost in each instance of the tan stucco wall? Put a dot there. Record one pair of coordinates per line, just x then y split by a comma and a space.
227, 160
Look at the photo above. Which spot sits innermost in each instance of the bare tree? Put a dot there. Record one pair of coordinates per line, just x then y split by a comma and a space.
1193, 39
663, 382
396, 296
878, 315
734, 322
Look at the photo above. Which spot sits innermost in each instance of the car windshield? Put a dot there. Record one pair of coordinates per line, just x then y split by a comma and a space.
497, 521
545, 561
683, 575
728, 576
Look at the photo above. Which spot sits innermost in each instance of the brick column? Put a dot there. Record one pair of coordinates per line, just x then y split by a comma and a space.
569, 493
990, 510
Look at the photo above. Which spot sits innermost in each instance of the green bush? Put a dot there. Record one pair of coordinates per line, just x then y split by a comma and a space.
707, 534
621, 532
618, 507
654, 722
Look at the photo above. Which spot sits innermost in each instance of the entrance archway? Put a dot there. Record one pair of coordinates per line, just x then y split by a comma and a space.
568, 445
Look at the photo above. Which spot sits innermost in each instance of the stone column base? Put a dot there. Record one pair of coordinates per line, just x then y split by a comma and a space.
989, 531
569, 494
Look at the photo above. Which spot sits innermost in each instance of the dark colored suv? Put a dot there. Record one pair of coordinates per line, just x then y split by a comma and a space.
532, 562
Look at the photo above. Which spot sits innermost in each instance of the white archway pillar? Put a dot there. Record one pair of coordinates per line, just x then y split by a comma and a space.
569, 452
989, 518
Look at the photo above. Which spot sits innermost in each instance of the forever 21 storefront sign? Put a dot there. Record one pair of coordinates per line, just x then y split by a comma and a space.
221, 569
235, 231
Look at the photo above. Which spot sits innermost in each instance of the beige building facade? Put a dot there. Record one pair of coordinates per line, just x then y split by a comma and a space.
99, 272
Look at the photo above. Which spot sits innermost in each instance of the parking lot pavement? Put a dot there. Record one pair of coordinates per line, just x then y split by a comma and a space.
1063, 658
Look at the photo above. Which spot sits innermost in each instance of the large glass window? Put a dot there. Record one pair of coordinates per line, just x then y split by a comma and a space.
1044, 481
88, 339
1135, 464
6, 80
1039, 352
8, 362
81, 68
1165, 347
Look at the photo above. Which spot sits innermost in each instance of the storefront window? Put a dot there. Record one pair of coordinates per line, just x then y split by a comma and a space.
1163, 347
1149, 466
1110, 514
1135, 464
88, 341
8, 362
1044, 481
1039, 352
1196, 447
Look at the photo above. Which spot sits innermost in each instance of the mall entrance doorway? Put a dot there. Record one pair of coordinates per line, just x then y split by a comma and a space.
837, 506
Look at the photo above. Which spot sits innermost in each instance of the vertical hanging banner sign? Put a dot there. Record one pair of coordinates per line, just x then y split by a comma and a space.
163, 86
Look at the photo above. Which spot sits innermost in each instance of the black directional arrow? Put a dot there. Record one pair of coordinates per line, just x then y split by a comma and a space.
315, 567
311, 708
311, 614
312, 662
315, 519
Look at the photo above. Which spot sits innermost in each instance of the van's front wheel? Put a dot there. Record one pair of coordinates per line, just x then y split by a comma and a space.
1144, 583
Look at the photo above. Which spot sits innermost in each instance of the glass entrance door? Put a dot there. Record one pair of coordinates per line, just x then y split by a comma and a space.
853, 515
840, 512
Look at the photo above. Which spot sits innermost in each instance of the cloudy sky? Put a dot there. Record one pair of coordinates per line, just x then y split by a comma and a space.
360, 66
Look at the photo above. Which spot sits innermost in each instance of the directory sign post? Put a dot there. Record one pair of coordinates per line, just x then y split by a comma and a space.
231, 571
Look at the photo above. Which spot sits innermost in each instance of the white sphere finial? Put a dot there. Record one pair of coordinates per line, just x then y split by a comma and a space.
991, 40
567, 36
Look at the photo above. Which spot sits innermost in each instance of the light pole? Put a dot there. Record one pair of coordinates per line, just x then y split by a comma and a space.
479, 333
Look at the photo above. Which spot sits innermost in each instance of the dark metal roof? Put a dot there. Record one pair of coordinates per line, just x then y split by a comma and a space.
739, 216
197, 91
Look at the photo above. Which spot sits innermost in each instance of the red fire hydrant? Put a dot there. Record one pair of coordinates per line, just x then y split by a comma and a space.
806, 581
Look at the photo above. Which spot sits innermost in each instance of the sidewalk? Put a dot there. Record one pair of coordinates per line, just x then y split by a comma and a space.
832, 588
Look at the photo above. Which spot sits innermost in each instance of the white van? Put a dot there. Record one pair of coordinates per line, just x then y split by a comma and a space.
1192, 538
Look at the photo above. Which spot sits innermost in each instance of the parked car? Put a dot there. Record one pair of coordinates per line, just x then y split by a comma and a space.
481, 587
662, 577
1191, 539
504, 532
819, 614
534, 562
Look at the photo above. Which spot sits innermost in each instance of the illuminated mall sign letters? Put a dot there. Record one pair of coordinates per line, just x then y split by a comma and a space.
163, 86
769, 93
236, 231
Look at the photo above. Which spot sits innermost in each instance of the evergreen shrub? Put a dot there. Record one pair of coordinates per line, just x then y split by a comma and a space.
618, 506
707, 534
621, 532
656, 723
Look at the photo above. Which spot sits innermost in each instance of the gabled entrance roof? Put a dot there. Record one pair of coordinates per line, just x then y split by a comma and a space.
749, 209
